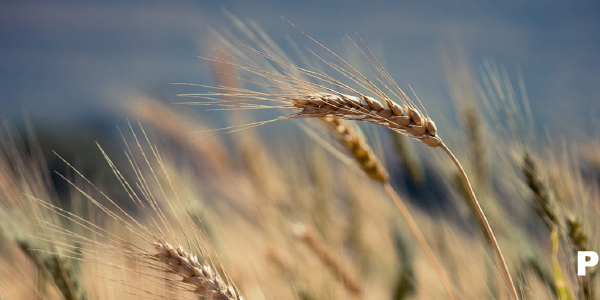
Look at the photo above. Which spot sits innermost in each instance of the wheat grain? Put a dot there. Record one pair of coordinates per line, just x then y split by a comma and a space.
406, 120
358, 148
206, 281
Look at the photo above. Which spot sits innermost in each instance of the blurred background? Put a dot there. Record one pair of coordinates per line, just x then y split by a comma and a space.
72, 69
68, 66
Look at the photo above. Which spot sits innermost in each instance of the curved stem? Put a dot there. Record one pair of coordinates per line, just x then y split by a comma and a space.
486, 224
414, 228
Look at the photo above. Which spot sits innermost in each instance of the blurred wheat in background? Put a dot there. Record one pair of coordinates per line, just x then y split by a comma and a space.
349, 206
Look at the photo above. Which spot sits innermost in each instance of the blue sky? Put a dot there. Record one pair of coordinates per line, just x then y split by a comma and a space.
64, 62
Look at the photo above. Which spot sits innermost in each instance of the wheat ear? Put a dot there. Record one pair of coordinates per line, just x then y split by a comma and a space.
490, 233
319, 96
206, 282
407, 120
546, 207
156, 225
358, 148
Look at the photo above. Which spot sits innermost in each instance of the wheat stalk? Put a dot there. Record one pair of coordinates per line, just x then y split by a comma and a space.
373, 168
329, 259
490, 233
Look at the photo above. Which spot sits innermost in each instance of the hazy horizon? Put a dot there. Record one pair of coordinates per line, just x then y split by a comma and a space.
65, 62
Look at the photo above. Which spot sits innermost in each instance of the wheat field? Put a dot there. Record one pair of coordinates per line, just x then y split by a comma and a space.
328, 182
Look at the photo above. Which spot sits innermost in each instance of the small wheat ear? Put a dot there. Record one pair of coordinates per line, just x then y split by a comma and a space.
206, 282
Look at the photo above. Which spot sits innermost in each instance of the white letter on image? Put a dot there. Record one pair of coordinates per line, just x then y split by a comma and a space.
582, 263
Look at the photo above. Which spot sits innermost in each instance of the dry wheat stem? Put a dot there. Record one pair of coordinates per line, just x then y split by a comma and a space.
414, 228
329, 259
363, 154
488, 228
